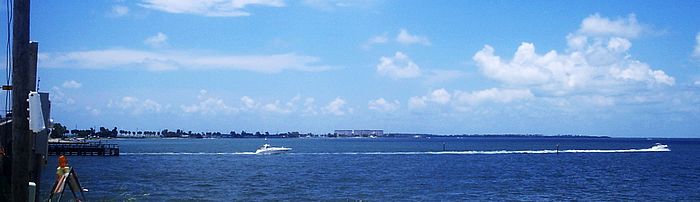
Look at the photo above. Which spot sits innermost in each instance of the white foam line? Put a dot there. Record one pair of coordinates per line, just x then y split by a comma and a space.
422, 152
494, 152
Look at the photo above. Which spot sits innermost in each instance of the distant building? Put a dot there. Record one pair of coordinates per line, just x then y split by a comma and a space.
367, 133
343, 133
359, 133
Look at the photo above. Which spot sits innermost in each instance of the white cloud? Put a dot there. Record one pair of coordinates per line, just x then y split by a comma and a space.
383, 106
595, 25
208, 105
275, 107
118, 11
696, 52
403, 37
286, 108
416, 102
248, 102
327, 5
398, 67
309, 107
251, 105
151, 105
591, 63
156, 41
211, 105
93, 111
172, 60
697, 83
209, 8
379, 39
495, 95
336, 107
58, 97
71, 84
332, 5
637, 71
135, 106
440, 96
407, 38
319, 4
458, 100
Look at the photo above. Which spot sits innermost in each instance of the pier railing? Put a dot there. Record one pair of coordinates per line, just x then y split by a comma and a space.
84, 149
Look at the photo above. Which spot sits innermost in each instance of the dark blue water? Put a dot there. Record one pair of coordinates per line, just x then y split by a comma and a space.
392, 169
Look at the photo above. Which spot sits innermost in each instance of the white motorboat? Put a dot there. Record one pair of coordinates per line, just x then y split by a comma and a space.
268, 149
659, 146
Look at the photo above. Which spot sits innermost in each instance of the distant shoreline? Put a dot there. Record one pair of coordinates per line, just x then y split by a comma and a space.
495, 135
387, 135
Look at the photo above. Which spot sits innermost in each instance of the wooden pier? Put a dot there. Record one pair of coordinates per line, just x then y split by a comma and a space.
84, 149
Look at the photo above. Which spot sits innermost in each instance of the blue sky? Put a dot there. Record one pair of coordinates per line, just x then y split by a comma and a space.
623, 68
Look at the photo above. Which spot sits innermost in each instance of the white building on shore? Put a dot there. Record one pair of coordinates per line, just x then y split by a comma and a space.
359, 133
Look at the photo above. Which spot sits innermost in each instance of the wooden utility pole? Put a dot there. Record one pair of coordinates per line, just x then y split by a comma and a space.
36, 161
21, 136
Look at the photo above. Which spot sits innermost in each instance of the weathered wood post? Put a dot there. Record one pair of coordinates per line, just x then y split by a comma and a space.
21, 136
36, 160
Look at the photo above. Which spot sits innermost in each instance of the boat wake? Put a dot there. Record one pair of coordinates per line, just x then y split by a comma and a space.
185, 153
655, 148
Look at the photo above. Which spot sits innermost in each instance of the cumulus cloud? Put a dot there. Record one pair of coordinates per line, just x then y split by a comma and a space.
208, 105
459, 99
156, 41
135, 106
403, 37
495, 95
329, 5
407, 38
93, 111
332, 5
637, 71
379, 39
440, 96
118, 11
59, 98
309, 107
336, 107
173, 60
383, 106
71, 84
212, 105
278, 107
595, 25
275, 107
596, 61
696, 52
400, 66
416, 102
248, 102
209, 8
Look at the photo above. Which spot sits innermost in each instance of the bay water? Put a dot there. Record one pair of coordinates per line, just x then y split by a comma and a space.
391, 169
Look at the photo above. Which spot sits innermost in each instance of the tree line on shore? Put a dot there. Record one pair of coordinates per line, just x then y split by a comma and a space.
60, 131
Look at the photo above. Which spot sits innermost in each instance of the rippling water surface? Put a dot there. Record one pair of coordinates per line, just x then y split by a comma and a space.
392, 169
